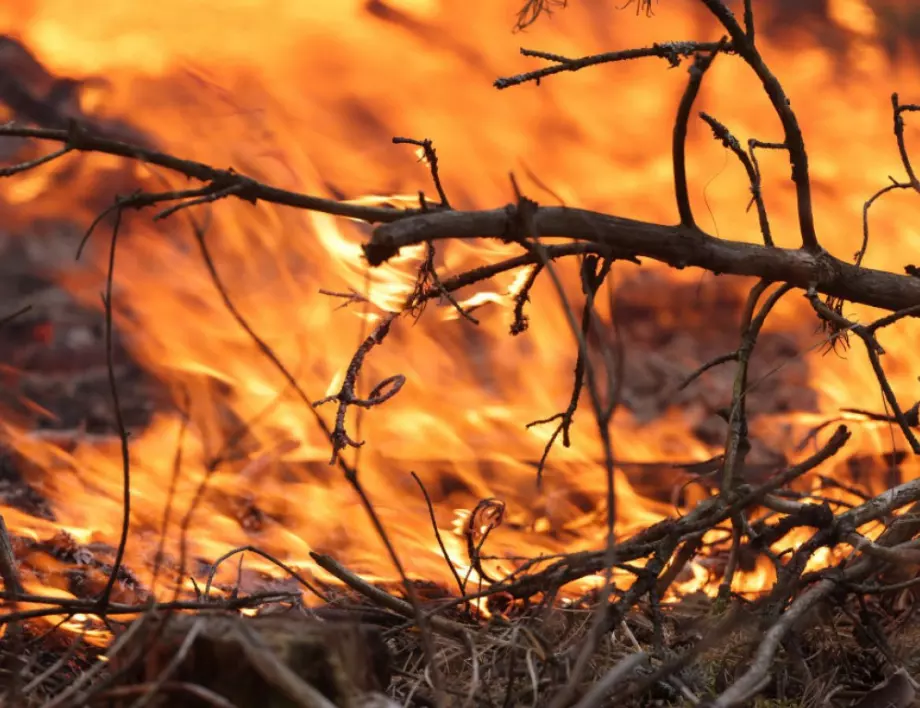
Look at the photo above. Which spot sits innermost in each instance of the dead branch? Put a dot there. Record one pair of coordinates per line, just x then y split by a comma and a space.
701, 64
218, 180
743, 43
52, 605
841, 325
267, 556
703, 517
383, 598
599, 239
676, 246
757, 675
593, 275
8, 570
672, 52
723, 134
6, 319
898, 110
119, 418
437, 533
431, 157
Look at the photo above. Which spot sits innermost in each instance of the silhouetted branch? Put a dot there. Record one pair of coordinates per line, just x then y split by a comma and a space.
593, 274
119, 419
431, 157
6, 319
677, 246
247, 188
873, 349
8, 570
750, 166
737, 443
58, 605
701, 63
267, 556
437, 534
743, 44
757, 674
673, 52
897, 109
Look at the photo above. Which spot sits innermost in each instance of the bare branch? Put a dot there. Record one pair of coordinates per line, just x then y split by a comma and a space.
6, 319
673, 52
675, 245
431, 157
897, 109
701, 63
249, 189
743, 43
873, 350
119, 420
750, 166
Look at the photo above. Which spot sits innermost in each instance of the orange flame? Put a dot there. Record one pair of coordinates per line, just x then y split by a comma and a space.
306, 96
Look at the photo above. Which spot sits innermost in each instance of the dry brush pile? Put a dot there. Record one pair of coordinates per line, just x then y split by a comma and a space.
626, 644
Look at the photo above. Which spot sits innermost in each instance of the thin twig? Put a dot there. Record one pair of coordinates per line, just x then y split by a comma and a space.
701, 63
431, 157
8, 570
912, 182
673, 52
119, 420
250, 190
383, 598
744, 46
873, 350
437, 533
711, 364
267, 556
749, 163
6, 319
174, 663
171, 491
58, 606
32, 164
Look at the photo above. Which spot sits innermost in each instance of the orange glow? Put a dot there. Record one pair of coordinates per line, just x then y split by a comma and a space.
306, 96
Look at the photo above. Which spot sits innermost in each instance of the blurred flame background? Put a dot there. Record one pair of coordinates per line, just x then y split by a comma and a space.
307, 96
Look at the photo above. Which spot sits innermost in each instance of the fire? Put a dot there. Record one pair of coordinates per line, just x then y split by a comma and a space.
306, 97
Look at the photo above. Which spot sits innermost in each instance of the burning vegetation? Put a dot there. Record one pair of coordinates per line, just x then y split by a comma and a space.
341, 431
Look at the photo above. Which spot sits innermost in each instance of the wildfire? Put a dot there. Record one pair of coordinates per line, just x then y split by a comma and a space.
307, 97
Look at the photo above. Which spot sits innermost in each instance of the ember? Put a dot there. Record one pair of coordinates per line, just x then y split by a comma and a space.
327, 376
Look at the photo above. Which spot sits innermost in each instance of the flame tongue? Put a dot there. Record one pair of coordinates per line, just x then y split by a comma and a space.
302, 98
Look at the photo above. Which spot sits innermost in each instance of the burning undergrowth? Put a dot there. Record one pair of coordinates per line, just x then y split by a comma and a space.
647, 490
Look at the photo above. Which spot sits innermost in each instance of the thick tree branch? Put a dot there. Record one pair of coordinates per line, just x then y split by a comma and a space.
677, 246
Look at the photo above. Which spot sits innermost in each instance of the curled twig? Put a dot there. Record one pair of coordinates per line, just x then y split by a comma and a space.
485, 518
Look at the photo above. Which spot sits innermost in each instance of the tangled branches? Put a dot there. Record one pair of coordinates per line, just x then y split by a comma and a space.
657, 555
